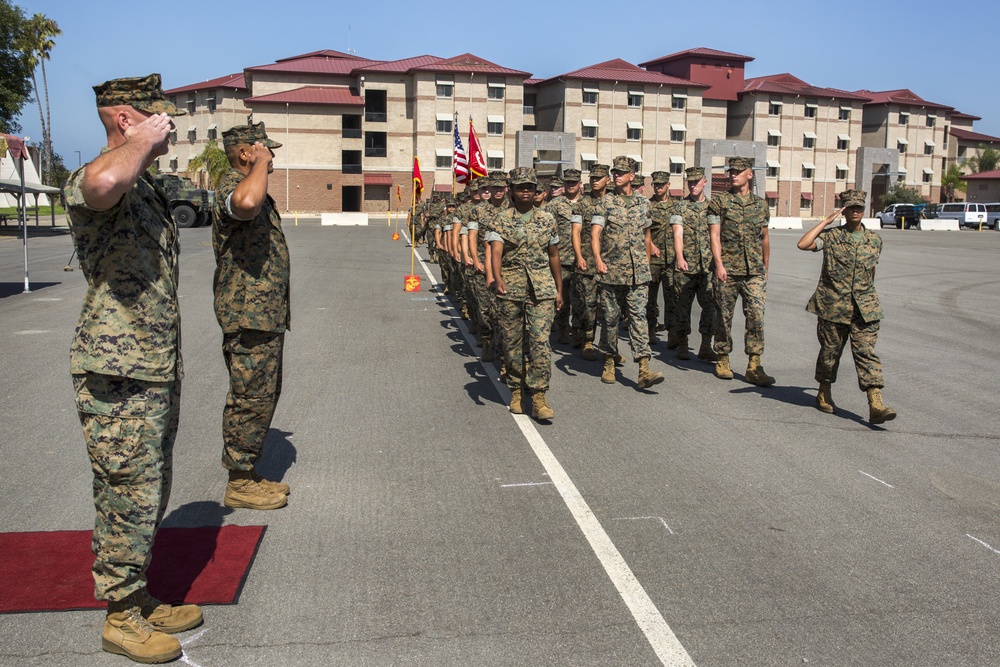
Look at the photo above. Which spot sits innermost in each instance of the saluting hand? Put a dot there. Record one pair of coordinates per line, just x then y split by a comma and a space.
152, 132
261, 153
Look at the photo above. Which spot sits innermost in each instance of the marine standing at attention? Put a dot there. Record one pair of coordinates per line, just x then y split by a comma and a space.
252, 275
846, 304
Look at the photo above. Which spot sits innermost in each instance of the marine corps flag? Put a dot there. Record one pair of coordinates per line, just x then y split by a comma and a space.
418, 180
477, 163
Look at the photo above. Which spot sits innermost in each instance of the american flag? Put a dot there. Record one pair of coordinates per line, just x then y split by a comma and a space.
461, 160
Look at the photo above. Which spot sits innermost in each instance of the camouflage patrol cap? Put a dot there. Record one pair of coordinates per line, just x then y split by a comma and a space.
571, 176
450, 201
738, 163
498, 179
522, 175
623, 163
660, 177
599, 170
638, 181
853, 198
248, 134
555, 182
694, 173
144, 93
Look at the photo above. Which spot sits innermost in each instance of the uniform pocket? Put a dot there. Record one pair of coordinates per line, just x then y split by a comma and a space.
113, 428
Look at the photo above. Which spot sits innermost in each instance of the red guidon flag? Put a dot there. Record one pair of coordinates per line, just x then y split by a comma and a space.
418, 180
477, 162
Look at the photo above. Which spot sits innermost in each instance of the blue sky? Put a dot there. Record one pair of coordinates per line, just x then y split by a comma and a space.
933, 48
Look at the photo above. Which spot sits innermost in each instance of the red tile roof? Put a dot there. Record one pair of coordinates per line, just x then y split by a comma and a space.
964, 116
335, 95
235, 81
624, 72
398, 66
325, 53
701, 51
792, 85
983, 176
966, 135
314, 65
900, 96
468, 63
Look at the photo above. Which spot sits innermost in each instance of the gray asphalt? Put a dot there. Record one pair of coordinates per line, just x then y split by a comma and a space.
423, 529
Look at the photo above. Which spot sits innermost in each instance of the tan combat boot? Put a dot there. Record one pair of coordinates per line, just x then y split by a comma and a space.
705, 351
648, 378
683, 351
515, 402
465, 312
167, 618
877, 412
722, 369
270, 486
608, 376
588, 352
127, 633
824, 399
487, 350
243, 492
539, 408
755, 373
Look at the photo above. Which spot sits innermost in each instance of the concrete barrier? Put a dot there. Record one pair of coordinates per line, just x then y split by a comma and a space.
785, 223
935, 225
328, 219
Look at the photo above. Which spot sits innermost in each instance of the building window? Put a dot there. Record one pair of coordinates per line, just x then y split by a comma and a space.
173, 164
928, 176
590, 93
678, 101
443, 162
350, 126
589, 132
841, 174
212, 134
845, 113
677, 136
587, 163
495, 89
772, 172
210, 102
809, 142
350, 162
635, 100
928, 148
376, 106
173, 136
444, 90
842, 144
772, 202
931, 120
810, 110
805, 203
944, 143
807, 170
904, 116
773, 139
676, 168
193, 134
494, 163
774, 108
443, 127
375, 144
901, 146
633, 134
494, 128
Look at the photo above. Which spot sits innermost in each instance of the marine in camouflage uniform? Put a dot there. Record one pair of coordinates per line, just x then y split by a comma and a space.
584, 294
661, 268
125, 360
483, 298
251, 285
846, 304
738, 228
565, 208
464, 213
620, 244
417, 224
432, 226
525, 243
693, 272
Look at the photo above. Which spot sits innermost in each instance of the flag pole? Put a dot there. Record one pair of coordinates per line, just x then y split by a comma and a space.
413, 236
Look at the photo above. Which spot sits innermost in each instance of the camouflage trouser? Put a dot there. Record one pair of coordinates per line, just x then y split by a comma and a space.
832, 339
635, 298
662, 275
686, 287
753, 291
585, 303
428, 235
569, 305
457, 273
525, 327
444, 264
484, 304
129, 426
469, 292
254, 360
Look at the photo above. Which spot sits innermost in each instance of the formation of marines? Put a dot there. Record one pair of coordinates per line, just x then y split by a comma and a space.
527, 261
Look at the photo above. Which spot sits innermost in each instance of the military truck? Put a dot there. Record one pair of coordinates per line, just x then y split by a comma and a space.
189, 205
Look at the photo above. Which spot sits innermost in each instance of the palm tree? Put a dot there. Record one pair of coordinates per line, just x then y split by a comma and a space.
38, 43
211, 160
951, 182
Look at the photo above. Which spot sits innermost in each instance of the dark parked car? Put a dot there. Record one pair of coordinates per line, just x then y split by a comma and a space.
899, 215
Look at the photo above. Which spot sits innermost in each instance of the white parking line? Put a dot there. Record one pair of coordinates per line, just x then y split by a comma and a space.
877, 479
645, 518
649, 619
983, 543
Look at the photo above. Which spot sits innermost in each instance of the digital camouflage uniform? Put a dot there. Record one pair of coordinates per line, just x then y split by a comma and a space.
527, 310
623, 250
463, 212
126, 367
692, 216
846, 304
252, 306
565, 212
484, 299
584, 293
743, 220
661, 268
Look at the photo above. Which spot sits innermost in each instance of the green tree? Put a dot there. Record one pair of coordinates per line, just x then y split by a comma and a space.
15, 67
900, 193
38, 42
986, 159
951, 182
211, 160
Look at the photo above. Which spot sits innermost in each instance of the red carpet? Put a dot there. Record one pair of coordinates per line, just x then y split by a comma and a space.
51, 571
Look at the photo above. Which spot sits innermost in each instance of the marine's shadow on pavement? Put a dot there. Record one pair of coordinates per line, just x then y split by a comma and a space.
278, 456
802, 397
481, 389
